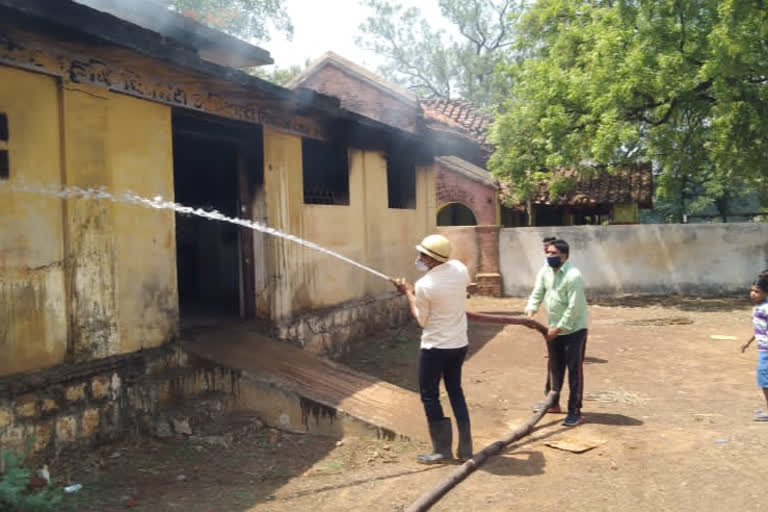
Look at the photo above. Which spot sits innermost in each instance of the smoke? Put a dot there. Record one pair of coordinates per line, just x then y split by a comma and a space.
210, 43
152, 15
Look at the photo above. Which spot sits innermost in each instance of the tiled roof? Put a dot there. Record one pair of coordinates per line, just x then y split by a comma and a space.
460, 115
625, 186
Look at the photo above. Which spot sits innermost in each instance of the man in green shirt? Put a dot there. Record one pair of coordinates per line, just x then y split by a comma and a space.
561, 288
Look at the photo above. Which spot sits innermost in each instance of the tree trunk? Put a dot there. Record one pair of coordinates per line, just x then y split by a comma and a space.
722, 207
529, 210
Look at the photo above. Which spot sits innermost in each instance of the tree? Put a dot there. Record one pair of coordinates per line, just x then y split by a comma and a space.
279, 76
602, 84
434, 64
247, 19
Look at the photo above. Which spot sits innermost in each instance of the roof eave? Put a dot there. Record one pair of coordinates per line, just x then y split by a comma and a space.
212, 44
106, 27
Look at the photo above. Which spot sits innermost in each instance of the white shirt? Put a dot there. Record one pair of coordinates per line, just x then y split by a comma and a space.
760, 322
441, 297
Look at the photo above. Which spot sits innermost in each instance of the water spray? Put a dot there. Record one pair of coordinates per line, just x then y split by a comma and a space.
428, 499
158, 203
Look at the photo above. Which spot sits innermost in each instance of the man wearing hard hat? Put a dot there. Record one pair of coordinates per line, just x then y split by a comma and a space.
438, 302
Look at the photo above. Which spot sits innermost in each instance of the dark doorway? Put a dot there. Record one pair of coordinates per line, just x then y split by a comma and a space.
212, 164
456, 214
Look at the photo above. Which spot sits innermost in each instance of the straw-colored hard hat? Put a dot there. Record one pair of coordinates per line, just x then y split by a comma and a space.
435, 246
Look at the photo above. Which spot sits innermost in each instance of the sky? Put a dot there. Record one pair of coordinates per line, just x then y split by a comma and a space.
323, 25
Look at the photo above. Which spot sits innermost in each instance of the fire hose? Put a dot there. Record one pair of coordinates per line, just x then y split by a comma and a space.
434, 495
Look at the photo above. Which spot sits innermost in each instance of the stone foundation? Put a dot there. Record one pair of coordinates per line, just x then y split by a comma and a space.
102, 400
328, 331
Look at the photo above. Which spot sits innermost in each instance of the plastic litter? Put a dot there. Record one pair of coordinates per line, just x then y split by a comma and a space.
71, 489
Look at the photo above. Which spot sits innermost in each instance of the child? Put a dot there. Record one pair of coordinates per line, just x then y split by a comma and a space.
758, 293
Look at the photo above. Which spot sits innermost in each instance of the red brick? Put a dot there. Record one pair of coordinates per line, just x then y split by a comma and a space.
451, 187
365, 99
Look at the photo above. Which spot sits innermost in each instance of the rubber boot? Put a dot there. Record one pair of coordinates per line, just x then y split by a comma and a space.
441, 434
465, 442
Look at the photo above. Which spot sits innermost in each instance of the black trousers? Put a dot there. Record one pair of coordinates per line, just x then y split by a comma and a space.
445, 363
567, 351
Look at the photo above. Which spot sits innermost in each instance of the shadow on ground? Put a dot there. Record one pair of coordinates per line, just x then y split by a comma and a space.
394, 356
681, 302
391, 356
606, 418
519, 463
358, 482
190, 473
186, 473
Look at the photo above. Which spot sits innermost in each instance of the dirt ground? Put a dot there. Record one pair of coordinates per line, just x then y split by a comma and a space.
669, 407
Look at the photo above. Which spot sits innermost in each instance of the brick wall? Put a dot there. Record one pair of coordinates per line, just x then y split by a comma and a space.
488, 277
366, 99
452, 187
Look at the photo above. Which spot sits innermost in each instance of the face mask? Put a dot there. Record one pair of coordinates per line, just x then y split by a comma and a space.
554, 261
420, 265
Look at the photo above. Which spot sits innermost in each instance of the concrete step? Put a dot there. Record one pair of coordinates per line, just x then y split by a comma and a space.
297, 391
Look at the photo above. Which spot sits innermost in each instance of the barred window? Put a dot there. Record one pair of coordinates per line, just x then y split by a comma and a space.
326, 172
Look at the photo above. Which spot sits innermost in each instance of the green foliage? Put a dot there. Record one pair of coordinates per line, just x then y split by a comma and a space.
242, 18
279, 76
434, 64
601, 84
15, 495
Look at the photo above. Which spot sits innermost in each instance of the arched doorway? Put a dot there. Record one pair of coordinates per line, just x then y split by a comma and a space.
456, 214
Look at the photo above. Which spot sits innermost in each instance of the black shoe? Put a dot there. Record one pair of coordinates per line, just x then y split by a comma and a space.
465, 442
572, 420
441, 434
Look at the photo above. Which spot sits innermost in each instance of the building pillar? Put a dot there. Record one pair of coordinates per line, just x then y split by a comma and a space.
488, 277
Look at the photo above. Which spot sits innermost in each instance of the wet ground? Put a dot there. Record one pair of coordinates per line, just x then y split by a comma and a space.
668, 407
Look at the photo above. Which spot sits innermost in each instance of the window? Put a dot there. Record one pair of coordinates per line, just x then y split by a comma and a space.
401, 182
5, 167
326, 172
3, 127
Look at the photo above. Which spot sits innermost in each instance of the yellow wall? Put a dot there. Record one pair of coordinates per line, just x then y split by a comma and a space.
89, 279
89, 224
366, 230
140, 147
393, 233
33, 315
284, 198
79, 277
341, 229
123, 280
